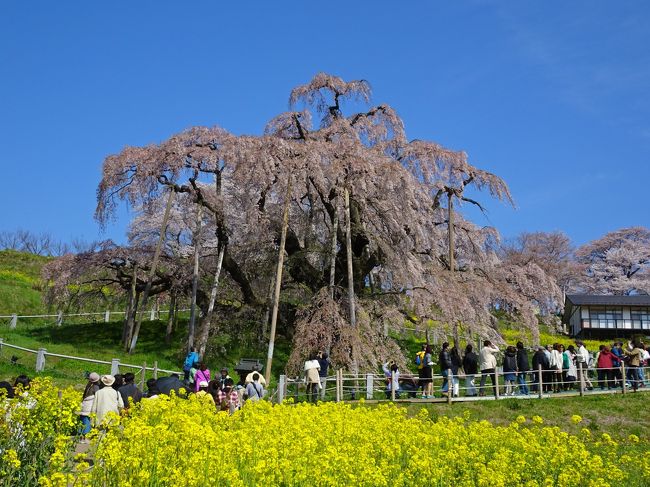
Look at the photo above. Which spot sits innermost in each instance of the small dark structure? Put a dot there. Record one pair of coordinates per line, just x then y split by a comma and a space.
590, 315
245, 367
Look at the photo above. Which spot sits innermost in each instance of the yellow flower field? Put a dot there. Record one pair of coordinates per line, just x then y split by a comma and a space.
175, 441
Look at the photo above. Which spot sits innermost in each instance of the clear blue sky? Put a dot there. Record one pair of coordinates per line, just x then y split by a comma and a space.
553, 96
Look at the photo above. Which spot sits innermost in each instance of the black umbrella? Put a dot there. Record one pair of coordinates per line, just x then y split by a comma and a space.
171, 383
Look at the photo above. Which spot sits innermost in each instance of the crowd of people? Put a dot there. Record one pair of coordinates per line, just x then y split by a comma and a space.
561, 369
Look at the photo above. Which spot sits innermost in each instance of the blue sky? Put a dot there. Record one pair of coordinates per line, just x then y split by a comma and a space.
552, 96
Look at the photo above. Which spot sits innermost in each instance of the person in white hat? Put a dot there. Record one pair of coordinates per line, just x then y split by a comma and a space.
106, 400
87, 402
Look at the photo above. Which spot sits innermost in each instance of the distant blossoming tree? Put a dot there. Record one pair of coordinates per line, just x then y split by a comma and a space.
617, 263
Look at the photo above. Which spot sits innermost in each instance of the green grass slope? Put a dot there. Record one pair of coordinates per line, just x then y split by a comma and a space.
20, 281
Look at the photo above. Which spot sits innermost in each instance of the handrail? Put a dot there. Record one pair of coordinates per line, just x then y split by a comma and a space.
86, 359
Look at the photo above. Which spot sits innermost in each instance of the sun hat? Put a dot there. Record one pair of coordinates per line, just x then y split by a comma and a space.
93, 377
108, 380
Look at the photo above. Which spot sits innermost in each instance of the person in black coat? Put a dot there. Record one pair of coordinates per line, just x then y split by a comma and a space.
522, 368
540, 358
445, 366
470, 366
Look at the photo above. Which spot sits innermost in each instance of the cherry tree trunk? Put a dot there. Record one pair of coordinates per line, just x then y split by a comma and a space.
152, 272
450, 220
195, 278
278, 282
353, 313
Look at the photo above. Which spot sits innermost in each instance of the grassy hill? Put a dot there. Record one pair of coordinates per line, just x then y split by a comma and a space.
20, 281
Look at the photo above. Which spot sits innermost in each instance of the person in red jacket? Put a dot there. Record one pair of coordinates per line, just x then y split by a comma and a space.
605, 367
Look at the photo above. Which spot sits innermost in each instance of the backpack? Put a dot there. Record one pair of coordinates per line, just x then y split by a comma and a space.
419, 359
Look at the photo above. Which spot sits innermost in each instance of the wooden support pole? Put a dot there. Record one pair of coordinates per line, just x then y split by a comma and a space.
195, 277
115, 366
278, 282
338, 385
335, 225
393, 385
450, 226
370, 378
496, 383
152, 272
281, 385
540, 382
624, 377
40, 360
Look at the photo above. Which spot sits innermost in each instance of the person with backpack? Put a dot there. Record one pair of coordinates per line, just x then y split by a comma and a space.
420, 362
470, 366
202, 375
191, 358
87, 400
129, 391
254, 390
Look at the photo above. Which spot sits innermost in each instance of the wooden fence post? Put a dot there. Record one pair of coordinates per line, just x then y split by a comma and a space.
450, 386
59, 318
115, 366
281, 384
496, 383
40, 360
2, 340
540, 382
155, 369
369, 386
624, 377
393, 385
107, 316
581, 373
152, 314
14, 321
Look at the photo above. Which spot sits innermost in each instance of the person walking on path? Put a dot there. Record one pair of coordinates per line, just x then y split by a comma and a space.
202, 375
444, 359
522, 369
107, 400
130, 393
488, 364
470, 366
324, 362
426, 373
540, 358
312, 379
582, 360
228, 397
605, 366
634, 354
510, 370
87, 400
191, 359
255, 390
